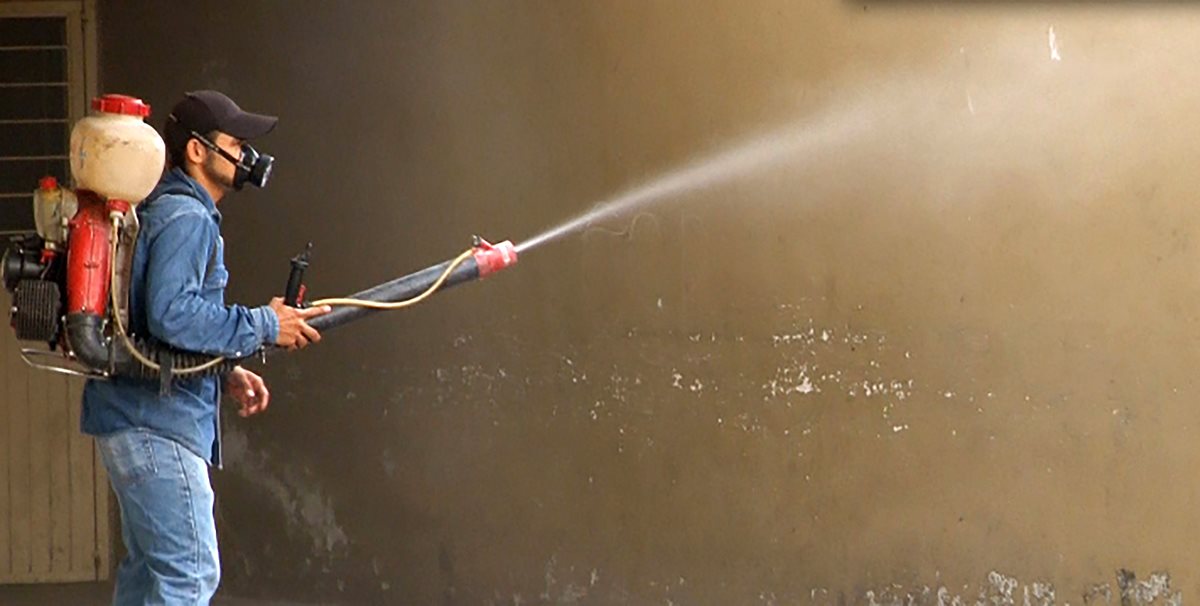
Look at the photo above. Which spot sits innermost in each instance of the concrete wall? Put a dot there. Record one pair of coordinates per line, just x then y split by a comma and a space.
944, 346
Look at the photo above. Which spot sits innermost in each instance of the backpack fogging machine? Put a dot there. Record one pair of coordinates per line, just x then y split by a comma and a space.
70, 281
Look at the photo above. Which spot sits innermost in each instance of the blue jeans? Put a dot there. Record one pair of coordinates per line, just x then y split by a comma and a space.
167, 520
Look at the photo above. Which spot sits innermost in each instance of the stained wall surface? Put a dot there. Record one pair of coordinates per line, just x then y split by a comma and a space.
914, 316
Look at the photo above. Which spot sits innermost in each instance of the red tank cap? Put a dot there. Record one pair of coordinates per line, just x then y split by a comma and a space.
121, 104
48, 183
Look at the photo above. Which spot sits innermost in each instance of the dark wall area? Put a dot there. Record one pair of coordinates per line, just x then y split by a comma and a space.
937, 334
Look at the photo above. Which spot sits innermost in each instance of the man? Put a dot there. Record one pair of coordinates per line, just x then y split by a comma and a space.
157, 448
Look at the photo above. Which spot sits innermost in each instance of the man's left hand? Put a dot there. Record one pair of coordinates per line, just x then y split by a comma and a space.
248, 390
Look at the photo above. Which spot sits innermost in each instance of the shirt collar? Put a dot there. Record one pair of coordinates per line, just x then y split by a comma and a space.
198, 191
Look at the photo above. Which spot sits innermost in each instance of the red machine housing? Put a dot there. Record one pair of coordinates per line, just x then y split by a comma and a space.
89, 266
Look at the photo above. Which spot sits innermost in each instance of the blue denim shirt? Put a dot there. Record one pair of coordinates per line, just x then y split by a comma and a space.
177, 296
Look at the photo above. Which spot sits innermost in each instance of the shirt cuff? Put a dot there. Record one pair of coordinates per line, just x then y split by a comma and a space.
267, 324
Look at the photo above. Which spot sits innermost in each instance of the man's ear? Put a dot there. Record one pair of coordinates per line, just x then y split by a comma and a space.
195, 150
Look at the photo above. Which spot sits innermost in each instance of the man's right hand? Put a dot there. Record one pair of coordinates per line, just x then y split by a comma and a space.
294, 331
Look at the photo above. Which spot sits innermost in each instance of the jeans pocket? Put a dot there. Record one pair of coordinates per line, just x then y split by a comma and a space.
128, 456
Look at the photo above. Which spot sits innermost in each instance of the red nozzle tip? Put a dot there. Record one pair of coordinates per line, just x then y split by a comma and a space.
48, 183
491, 258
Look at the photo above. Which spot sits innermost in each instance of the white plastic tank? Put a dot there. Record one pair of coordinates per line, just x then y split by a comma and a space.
114, 152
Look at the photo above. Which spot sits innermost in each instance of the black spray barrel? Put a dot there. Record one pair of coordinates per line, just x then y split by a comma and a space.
486, 259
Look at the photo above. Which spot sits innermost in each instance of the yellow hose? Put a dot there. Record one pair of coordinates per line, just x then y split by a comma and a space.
399, 304
343, 301
133, 350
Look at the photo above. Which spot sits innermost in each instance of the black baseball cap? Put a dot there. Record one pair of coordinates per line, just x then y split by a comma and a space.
204, 111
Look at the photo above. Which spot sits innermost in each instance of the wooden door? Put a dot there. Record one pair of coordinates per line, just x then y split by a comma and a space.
54, 496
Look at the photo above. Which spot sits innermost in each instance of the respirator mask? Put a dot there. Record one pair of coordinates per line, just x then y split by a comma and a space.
254, 168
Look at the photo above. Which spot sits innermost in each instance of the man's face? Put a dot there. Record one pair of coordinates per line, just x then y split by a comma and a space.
218, 169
